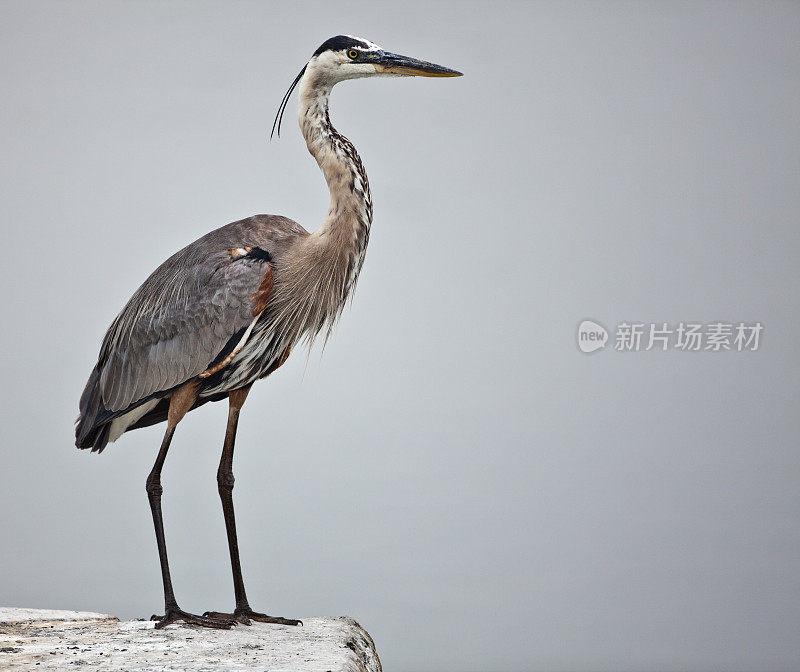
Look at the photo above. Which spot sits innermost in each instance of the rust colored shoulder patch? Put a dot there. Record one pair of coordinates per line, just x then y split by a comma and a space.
261, 297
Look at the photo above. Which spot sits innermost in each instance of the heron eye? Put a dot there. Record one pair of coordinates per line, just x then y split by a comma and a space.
352, 53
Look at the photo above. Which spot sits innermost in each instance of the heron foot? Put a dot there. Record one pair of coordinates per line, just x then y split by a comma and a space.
222, 622
245, 615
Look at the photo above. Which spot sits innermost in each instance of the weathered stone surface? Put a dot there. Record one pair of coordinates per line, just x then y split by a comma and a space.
37, 639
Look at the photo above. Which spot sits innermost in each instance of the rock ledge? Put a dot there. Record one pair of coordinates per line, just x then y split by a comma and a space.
40, 639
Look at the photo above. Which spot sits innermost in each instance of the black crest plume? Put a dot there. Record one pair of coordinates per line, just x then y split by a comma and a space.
284, 102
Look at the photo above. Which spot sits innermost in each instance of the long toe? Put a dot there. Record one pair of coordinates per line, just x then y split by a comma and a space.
263, 618
239, 617
246, 615
175, 615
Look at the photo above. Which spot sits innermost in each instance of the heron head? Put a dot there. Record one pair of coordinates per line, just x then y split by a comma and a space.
347, 57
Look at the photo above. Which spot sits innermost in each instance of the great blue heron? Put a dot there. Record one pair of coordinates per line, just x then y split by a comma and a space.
227, 310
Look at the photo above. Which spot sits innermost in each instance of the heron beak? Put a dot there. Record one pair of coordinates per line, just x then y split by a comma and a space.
395, 64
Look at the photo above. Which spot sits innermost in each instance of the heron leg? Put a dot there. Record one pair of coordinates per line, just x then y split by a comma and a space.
180, 403
242, 613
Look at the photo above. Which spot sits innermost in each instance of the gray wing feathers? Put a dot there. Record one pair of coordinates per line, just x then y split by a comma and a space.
176, 323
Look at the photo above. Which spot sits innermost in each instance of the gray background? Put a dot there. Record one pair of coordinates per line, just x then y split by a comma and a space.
453, 472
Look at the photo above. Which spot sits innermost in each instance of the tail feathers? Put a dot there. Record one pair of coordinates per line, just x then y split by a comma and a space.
88, 433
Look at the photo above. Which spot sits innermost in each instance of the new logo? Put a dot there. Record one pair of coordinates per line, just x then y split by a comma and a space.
591, 336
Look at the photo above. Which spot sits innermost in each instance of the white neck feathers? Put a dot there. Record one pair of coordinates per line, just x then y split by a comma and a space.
345, 231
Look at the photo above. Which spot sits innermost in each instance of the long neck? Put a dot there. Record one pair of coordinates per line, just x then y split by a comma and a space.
342, 239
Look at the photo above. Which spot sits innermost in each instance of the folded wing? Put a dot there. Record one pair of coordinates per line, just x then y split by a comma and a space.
179, 321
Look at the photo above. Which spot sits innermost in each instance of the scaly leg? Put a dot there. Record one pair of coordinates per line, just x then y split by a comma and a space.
180, 403
242, 613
